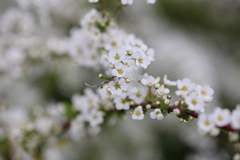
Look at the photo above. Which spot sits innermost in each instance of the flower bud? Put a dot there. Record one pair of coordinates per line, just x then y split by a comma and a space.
166, 101
176, 112
158, 102
176, 103
138, 45
214, 132
233, 137
181, 119
148, 106
236, 156
100, 75
127, 80
191, 118
183, 96
181, 102
131, 103
157, 86
169, 96
129, 53
112, 66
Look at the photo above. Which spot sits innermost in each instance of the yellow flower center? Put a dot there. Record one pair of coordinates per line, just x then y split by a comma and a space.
114, 44
204, 93
158, 112
124, 101
194, 102
220, 118
140, 60
117, 86
184, 88
120, 71
138, 95
138, 113
161, 92
95, 117
207, 123
117, 57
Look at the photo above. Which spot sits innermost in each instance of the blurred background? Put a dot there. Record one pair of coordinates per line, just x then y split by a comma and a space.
198, 39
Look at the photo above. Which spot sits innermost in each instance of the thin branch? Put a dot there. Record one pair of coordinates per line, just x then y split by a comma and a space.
95, 86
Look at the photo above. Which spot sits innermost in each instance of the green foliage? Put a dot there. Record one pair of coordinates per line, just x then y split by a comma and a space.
70, 112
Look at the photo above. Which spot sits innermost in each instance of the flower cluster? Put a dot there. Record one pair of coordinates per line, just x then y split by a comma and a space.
195, 96
100, 43
220, 118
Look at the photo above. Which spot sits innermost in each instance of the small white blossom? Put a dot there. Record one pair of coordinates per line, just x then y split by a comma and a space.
195, 102
138, 113
95, 117
149, 81
121, 103
76, 130
93, 1
206, 91
116, 55
156, 114
138, 95
235, 119
221, 117
205, 123
151, 1
44, 125
168, 82
125, 2
162, 91
117, 87
214, 131
120, 70
185, 86
150, 54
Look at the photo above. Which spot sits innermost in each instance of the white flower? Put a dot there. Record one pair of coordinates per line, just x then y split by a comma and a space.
214, 131
121, 103
195, 102
156, 114
168, 82
44, 125
93, 1
205, 91
149, 81
117, 87
221, 117
76, 130
95, 117
205, 123
130, 63
104, 93
138, 95
235, 119
138, 113
120, 70
125, 2
150, 54
162, 91
151, 1
141, 58
233, 136
116, 55
185, 86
